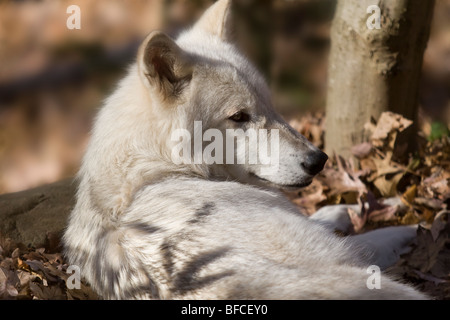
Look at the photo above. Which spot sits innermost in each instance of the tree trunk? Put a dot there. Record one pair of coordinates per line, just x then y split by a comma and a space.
373, 70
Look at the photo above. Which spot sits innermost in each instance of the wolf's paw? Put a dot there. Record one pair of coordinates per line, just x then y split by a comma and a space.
336, 217
387, 244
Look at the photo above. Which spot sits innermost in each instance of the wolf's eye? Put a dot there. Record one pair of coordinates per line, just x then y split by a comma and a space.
240, 117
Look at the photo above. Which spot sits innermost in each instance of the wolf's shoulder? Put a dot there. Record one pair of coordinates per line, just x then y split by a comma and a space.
197, 188
183, 196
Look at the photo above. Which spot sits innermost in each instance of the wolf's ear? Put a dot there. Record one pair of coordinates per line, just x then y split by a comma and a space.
164, 65
217, 20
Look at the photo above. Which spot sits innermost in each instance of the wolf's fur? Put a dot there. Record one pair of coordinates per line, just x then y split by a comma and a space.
144, 227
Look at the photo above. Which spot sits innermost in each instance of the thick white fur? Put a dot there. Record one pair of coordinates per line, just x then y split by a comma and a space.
144, 227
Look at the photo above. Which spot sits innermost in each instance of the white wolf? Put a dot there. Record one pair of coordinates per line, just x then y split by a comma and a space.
144, 227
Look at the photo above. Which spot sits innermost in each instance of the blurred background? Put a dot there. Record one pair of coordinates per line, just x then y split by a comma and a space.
53, 80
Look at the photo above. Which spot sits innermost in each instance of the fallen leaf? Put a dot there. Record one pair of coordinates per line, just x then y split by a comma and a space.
23, 265
435, 204
409, 195
362, 150
8, 284
342, 179
84, 293
378, 211
425, 256
388, 122
42, 292
358, 220
310, 197
15, 253
387, 186
440, 223
25, 277
429, 277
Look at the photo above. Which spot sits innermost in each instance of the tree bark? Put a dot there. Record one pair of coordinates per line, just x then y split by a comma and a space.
373, 70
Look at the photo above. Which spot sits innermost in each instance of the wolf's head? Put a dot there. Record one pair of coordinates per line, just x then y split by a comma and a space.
209, 91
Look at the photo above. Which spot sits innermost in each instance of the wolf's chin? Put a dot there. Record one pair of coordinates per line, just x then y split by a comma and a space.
298, 185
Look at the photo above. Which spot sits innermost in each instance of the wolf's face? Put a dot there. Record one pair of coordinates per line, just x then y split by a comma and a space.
224, 104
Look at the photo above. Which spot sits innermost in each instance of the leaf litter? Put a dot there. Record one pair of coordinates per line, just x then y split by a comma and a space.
391, 188
28, 273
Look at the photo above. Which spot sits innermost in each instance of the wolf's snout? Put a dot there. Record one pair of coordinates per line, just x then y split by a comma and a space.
314, 162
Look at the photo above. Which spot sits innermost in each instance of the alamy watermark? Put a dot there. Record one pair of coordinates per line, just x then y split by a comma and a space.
374, 21
374, 280
74, 20
74, 280
236, 146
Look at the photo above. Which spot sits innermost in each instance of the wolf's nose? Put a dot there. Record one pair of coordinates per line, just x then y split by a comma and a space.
314, 162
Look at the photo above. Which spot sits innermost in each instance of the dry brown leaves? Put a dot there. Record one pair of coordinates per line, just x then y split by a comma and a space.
30, 273
376, 173
392, 187
428, 264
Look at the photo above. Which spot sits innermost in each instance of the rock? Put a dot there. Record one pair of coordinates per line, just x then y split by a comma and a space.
37, 216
